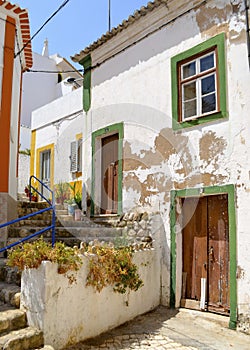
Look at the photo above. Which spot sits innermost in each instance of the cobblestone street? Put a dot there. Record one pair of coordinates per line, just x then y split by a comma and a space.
170, 329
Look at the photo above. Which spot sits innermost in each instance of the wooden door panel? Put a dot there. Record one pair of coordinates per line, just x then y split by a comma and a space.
218, 252
194, 245
205, 250
109, 192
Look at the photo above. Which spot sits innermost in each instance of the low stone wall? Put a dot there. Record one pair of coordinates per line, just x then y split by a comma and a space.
68, 312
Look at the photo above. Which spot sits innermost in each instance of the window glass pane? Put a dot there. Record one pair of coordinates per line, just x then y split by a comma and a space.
207, 62
208, 84
189, 91
188, 70
189, 109
208, 103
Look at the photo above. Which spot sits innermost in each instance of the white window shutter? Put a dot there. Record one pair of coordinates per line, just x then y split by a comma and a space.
73, 156
79, 155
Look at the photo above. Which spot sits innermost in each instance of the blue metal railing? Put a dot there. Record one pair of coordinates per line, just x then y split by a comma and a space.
51, 203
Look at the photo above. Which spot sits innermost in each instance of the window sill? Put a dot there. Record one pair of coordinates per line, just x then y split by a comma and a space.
201, 120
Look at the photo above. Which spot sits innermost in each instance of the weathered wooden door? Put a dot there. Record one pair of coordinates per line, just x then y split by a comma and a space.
109, 193
206, 251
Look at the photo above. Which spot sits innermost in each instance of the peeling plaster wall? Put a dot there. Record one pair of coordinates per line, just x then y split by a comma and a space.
134, 87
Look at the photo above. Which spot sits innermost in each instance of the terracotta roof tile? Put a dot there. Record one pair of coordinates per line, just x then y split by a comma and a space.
25, 29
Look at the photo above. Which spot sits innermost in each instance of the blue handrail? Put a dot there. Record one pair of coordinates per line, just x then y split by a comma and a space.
50, 201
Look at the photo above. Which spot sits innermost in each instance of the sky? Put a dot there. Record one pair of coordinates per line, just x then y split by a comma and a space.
78, 24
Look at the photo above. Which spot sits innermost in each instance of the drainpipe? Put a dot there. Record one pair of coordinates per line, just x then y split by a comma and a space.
247, 31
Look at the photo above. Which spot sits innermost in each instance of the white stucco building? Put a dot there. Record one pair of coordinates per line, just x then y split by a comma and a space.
56, 140
44, 83
167, 129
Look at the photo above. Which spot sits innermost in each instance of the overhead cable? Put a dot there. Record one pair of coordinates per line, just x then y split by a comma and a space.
48, 20
53, 71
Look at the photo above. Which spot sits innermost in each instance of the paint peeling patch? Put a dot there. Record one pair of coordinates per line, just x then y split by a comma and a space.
166, 145
208, 17
132, 181
240, 274
211, 148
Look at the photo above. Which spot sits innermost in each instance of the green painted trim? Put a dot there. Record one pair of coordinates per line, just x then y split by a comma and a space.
86, 63
119, 128
172, 250
211, 190
219, 42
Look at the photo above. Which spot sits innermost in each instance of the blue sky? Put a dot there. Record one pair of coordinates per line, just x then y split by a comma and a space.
77, 25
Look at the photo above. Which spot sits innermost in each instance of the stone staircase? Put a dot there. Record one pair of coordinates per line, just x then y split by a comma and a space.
67, 229
15, 334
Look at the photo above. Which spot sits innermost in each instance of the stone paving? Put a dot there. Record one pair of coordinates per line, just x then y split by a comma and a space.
164, 329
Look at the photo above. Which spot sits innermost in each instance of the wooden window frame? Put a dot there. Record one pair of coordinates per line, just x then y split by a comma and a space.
194, 78
215, 44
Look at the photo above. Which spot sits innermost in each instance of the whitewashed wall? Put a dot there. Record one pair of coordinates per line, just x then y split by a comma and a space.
134, 87
71, 312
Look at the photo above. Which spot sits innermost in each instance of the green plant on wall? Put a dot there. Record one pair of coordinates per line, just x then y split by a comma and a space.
111, 266
31, 255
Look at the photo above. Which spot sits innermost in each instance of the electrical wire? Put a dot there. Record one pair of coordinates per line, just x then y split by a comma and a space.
53, 71
48, 20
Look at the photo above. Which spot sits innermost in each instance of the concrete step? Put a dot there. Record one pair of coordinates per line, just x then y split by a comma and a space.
23, 339
10, 294
38, 205
107, 220
12, 320
66, 231
61, 212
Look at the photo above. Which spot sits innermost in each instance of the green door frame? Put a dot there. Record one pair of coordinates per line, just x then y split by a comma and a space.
206, 191
98, 134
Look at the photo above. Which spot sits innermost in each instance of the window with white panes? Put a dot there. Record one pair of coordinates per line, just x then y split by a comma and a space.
198, 86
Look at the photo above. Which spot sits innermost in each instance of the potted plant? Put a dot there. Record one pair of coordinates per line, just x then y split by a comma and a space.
34, 197
61, 192
77, 198
71, 206
27, 190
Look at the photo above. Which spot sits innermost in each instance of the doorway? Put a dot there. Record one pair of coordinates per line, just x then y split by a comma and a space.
107, 170
45, 171
109, 174
205, 253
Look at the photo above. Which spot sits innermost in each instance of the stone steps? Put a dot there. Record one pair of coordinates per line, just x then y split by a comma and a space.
85, 234
67, 229
15, 334
27, 338
12, 320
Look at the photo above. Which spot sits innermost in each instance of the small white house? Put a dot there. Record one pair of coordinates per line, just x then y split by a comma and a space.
45, 82
166, 129
56, 143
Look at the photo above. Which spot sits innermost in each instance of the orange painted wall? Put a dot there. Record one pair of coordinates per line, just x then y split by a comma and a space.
5, 111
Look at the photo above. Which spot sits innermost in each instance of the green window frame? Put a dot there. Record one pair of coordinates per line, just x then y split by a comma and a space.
199, 84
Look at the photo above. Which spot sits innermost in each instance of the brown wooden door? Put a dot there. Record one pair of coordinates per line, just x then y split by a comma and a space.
109, 194
206, 250
218, 254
